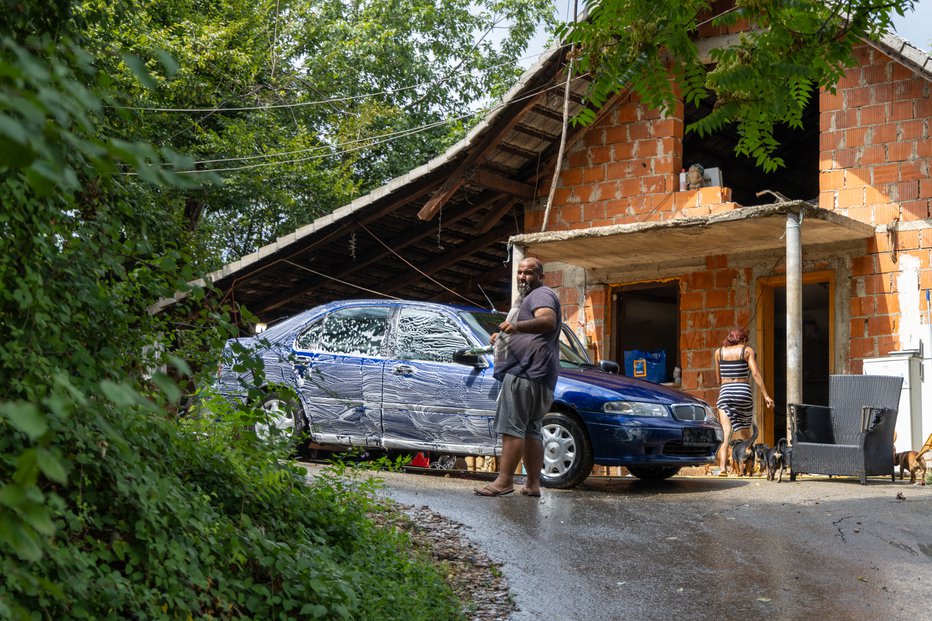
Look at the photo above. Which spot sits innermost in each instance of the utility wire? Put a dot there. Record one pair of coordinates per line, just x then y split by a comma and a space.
362, 143
319, 102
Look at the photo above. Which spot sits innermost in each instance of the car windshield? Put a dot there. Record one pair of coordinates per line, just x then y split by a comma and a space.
571, 351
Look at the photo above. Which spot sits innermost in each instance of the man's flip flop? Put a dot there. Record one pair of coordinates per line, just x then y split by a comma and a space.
491, 491
524, 492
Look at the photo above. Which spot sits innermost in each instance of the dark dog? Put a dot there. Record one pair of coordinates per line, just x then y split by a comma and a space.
742, 454
772, 460
912, 462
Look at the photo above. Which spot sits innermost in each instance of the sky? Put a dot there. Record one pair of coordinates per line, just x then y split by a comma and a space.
916, 27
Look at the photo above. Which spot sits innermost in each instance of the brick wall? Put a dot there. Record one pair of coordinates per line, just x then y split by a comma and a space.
875, 158
875, 166
625, 169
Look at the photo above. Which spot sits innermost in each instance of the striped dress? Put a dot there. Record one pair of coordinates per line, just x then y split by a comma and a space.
735, 398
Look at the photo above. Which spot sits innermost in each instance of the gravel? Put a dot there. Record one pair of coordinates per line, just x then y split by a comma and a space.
473, 576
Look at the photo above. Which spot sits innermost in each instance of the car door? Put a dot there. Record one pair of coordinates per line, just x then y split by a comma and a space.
428, 401
338, 364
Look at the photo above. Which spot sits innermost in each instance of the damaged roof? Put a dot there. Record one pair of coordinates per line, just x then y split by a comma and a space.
441, 231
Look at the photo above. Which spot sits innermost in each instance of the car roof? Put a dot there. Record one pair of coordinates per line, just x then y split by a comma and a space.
290, 323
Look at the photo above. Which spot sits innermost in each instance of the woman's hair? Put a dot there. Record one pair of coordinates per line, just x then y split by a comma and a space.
736, 336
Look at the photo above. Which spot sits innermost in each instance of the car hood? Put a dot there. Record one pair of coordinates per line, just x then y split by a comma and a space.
599, 384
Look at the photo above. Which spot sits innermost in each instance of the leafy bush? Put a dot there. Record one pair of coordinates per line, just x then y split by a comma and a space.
111, 506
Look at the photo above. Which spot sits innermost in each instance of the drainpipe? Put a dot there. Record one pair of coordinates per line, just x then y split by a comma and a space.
794, 313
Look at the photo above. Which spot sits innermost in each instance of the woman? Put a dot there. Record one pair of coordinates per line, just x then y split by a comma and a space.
735, 364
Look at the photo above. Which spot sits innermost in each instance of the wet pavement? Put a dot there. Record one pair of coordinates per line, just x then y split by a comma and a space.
699, 547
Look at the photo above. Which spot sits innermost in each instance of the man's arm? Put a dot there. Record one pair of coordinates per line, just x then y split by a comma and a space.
545, 320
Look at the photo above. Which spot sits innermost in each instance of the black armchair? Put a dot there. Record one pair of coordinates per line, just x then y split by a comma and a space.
853, 435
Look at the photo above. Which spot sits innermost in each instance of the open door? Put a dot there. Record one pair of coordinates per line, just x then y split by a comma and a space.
647, 319
818, 345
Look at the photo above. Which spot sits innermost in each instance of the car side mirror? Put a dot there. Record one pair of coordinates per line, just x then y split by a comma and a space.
609, 365
468, 358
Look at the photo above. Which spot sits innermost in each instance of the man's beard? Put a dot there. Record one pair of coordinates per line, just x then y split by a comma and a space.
523, 289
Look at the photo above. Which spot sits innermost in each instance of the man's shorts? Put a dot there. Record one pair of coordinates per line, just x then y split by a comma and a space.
522, 404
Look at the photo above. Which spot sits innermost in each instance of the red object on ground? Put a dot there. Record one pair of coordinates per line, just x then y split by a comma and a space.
421, 460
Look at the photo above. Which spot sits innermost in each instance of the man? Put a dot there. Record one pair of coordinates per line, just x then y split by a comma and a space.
528, 372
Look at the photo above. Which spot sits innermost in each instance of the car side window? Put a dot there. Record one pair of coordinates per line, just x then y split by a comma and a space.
426, 335
359, 331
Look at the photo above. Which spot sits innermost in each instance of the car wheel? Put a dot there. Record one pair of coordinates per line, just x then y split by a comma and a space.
653, 473
281, 419
567, 451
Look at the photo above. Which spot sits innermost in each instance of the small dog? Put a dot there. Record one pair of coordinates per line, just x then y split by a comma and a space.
742, 454
772, 460
911, 461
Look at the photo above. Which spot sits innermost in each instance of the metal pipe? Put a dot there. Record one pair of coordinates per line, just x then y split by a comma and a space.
794, 314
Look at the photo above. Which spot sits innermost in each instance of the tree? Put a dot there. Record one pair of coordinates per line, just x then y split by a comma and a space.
301, 105
789, 50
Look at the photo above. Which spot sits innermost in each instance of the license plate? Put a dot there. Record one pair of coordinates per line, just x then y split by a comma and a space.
699, 436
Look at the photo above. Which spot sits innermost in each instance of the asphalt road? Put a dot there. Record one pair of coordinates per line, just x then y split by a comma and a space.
700, 547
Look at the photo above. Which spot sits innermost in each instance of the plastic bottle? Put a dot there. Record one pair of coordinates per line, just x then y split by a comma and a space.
684, 185
677, 376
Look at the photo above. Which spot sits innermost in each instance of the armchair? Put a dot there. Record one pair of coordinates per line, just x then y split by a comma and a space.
853, 435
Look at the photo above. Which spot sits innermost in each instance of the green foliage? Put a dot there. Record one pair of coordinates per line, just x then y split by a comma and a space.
302, 105
111, 506
763, 79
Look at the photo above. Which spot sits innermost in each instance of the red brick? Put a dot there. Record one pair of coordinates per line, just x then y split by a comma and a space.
862, 266
857, 177
877, 195
871, 155
899, 151
855, 137
850, 198
885, 173
915, 210
857, 96
910, 171
828, 101
908, 89
593, 174
831, 180
911, 130
873, 115
862, 307
882, 134
874, 74
901, 110
616, 134
882, 93
600, 155
571, 176
622, 151
717, 298
846, 158
863, 348
829, 140
594, 137
906, 191
646, 148
883, 325
638, 131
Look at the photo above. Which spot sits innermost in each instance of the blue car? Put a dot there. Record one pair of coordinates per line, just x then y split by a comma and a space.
417, 376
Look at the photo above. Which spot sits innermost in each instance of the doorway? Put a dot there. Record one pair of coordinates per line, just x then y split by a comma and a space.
647, 319
818, 294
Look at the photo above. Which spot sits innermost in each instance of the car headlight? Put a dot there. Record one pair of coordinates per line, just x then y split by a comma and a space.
634, 408
710, 415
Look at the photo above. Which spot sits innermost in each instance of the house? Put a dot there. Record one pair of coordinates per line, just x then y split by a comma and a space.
826, 262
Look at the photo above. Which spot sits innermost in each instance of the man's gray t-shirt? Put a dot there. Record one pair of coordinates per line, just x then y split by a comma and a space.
533, 356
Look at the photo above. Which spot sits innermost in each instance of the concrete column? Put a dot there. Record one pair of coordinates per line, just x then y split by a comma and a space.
794, 313
517, 255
